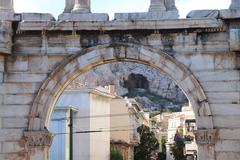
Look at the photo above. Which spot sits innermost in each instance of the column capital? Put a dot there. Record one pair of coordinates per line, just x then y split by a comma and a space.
205, 137
38, 138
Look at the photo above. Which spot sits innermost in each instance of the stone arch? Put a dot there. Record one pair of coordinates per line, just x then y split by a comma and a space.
86, 59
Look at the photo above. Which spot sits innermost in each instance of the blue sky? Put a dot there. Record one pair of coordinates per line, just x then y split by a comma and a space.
115, 6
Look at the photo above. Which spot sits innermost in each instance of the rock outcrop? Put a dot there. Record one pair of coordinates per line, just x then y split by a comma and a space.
151, 88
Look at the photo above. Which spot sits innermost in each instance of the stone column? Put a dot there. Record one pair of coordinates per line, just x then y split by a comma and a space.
6, 10
69, 4
82, 6
235, 4
6, 5
157, 6
170, 5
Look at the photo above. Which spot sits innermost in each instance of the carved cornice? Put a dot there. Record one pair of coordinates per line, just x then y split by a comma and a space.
42, 138
205, 137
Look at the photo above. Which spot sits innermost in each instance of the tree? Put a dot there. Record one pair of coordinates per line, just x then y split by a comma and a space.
115, 154
163, 155
178, 147
164, 149
148, 146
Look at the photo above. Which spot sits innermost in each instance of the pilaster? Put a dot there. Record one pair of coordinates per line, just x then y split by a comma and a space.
38, 144
206, 140
5, 37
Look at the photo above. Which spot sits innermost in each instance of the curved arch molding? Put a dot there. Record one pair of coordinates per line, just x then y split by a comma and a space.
89, 58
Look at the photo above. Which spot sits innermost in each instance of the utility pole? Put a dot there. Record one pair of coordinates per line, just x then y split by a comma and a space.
71, 135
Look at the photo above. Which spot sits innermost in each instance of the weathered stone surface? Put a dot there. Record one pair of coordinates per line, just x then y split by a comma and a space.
10, 134
120, 25
227, 155
24, 77
197, 62
36, 17
170, 5
157, 6
203, 149
6, 6
14, 110
13, 156
221, 86
227, 146
44, 64
198, 54
81, 6
2, 61
6, 10
12, 147
17, 88
14, 123
1, 77
75, 16
17, 64
43, 138
205, 137
229, 134
225, 62
226, 121
219, 75
229, 14
225, 109
18, 99
0, 128
203, 14
223, 97
235, 5
234, 39
1, 98
5, 37
69, 4
146, 16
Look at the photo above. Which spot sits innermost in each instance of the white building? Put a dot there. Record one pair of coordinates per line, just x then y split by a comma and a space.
188, 129
126, 117
60, 149
91, 136
174, 122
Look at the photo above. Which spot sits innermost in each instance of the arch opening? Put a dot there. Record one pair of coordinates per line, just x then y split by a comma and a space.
92, 57
129, 79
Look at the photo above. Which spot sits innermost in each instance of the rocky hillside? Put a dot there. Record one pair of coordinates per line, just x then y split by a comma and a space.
151, 88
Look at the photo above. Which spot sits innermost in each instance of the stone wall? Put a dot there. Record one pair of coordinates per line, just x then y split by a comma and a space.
40, 58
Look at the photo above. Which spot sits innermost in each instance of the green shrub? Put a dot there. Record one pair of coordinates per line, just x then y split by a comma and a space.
115, 154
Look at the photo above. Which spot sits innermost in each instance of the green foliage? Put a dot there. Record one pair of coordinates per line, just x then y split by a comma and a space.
164, 149
115, 154
178, 146
150, 95
148, 144
180, 130
177, 150
154, 113
188, 138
